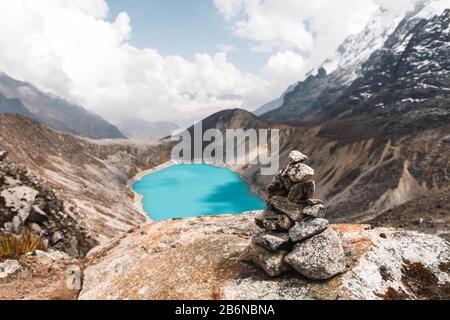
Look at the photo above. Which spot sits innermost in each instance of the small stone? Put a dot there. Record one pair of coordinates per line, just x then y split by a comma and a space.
296, 157
285, 222
57, 236
300, 172
307, 229
265, 215
320, 257
8, 268
36, 229
276, 187
271, 262
292, 210
317, 211
271, 240
282, 223
3, 155
301, 192
313, 202
73, 249
37, 215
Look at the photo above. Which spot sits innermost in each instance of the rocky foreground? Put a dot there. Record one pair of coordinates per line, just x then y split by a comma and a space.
200, 258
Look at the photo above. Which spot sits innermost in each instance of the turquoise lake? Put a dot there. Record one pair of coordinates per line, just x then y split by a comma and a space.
183, 191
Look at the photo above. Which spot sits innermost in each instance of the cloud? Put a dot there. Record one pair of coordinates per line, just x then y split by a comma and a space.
69, 48
284, 68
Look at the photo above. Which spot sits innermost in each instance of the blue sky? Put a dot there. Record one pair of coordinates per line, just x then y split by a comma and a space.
185, 27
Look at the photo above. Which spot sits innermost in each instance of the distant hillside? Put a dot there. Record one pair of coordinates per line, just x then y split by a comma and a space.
13, 106
275, 104
91, 177
23, 98
139, 129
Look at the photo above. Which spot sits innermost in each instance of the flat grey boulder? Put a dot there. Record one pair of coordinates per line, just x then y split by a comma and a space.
8, 268
320, 257
382, 263
292, 210
308, 228
271, 262
271, 240
317, 211
19, 200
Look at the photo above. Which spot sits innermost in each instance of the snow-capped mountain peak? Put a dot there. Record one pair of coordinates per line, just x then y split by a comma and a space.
357, 48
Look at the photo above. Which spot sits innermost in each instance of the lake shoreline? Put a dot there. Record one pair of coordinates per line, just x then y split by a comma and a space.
138, 198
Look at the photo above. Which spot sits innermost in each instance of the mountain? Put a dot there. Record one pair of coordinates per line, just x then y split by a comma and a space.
275, 104
376, 128
13, 106
53, 111
388, 32
139, 129
90, 176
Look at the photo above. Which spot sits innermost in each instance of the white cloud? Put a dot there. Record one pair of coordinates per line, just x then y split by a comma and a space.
285, 68
290, 28
68, 48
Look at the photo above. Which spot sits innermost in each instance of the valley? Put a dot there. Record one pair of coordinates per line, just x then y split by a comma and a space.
374, 120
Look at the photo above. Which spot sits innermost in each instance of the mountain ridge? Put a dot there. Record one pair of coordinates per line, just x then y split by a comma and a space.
55, 112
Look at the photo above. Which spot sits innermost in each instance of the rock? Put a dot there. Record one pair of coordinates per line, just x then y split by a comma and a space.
3, 155
276, 187
36, 229
8, 268
292, 210
313, 202
300, 172
20, 201
270, 240
301, 192
206, 254
57, 237
306, 229
271, 262
317, 211
296, 157
73, 248
37, 215
273, 221
265, 216
285, 222
320, 257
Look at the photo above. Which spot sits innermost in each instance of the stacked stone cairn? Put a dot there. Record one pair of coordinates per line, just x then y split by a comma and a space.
296, 235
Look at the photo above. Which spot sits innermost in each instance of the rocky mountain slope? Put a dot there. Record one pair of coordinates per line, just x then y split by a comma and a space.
377, 126
27, 203
360, 172
89, 176
381, 264
25, 99
382, 54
